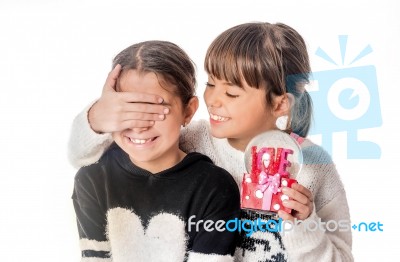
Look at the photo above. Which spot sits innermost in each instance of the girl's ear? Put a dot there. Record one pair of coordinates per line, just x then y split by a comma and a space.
283, 104
190, 109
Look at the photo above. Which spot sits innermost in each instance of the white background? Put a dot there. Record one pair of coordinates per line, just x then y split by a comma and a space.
54, 58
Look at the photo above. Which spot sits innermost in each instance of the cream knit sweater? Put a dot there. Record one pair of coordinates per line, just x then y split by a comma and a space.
318, 174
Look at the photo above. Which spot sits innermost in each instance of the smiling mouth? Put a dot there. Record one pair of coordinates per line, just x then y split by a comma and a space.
142, 141
218, 118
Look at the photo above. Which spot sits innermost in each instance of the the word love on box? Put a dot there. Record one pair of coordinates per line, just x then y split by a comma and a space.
272, 159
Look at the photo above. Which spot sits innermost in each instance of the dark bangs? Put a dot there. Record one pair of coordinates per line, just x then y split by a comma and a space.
234, 57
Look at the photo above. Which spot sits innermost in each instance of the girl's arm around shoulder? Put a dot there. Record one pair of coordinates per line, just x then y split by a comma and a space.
196, 137
85, 146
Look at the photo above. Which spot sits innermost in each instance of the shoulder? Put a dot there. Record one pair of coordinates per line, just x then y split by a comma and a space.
216, 192
197, 125
319, 174
88, 177
317, 163
206, 166
195, 136
98, 170
314, 154
213, 175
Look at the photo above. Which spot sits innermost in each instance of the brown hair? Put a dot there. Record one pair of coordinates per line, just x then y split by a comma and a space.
167, 60
269, 56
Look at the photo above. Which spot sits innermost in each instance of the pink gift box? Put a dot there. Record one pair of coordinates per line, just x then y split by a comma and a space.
261, 189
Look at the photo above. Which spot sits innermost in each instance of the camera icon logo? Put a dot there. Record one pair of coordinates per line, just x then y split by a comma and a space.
346, 100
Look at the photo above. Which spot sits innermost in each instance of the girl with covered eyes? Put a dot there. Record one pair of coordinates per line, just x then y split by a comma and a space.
146, 199
256, 75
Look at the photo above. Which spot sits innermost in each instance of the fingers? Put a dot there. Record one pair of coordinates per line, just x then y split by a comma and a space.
295, 194
300, 211
110, 85
143, 116
133, 97
301, 201
112, 79
285, 216
116, 111
303, 190
128, 120
145, 109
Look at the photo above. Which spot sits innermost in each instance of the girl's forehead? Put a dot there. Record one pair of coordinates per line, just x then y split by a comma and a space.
148, 83
141, 81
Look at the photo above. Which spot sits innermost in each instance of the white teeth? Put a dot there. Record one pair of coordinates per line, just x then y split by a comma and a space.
140, 141
218, 118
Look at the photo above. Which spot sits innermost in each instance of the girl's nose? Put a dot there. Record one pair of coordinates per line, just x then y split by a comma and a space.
212, 97
139, 130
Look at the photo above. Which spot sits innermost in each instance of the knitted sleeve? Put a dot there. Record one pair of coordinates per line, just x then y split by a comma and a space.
196, 137
85, 146
91, 220
332, 240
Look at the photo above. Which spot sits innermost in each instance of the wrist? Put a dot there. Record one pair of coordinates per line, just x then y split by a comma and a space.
91, 120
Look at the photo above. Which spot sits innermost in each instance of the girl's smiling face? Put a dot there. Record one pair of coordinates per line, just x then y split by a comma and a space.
237, 113
154, 148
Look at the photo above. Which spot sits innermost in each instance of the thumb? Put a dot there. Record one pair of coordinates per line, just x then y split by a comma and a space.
111, 80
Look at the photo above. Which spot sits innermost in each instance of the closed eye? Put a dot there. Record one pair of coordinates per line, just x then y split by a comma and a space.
230, 95
209, 85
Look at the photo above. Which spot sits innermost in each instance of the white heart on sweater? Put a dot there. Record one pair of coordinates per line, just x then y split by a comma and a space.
163, 240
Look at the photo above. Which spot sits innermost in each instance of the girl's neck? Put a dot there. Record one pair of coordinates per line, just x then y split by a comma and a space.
159, 165
239, 144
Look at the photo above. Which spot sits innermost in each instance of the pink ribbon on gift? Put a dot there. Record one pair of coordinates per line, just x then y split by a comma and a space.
268, 185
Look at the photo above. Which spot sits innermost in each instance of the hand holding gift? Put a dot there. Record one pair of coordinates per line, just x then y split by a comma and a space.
300, 199
271, 158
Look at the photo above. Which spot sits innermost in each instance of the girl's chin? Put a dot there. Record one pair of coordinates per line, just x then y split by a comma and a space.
217, 133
